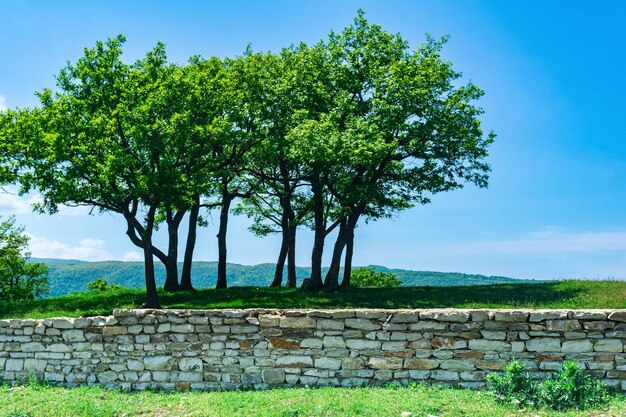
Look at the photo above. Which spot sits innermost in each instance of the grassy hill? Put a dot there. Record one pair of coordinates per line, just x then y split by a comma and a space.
69, 276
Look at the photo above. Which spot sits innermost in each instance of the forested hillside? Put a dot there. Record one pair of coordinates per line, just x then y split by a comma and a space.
68, 276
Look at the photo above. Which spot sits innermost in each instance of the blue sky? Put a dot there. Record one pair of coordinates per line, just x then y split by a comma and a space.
553, 77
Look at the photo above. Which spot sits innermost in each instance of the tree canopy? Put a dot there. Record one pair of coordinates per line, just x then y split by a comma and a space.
358, 126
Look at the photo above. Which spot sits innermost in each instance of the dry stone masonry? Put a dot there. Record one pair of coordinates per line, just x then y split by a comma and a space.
229, 349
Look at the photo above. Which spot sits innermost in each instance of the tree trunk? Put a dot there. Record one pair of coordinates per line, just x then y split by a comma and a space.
171, 265
282, 255
152, 297
291, 257
221, 240
347, 269
185, 279
331, 282
315, 282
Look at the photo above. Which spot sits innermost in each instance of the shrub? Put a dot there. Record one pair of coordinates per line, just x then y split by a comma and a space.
101, 284
368, 277
571, 388
514, 385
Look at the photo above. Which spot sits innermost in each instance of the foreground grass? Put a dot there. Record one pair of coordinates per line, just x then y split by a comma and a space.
561, 294
47, 401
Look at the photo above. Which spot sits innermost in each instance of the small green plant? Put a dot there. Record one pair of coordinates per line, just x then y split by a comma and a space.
101, 284
514, 385
368, 277
571, 388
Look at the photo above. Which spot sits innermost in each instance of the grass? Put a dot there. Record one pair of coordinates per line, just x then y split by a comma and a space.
38, 400
561, 294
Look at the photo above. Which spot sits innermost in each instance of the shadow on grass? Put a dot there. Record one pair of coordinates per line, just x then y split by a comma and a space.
503, 295
566, 294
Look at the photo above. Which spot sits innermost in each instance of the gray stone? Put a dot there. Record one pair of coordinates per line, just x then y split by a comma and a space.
576, 346
362, 324
14, 365
158, 363
457, 365
326, 324
405, 317
562, 325
444, 375
493, 335
106, 377
32, 347
295, 361
588, 315
353, 363
135, 365
511, 316
62, 323
544, 344
608, 345
311, 344
190, 364
427, 325
59, 348
74, 336
489, 345
334, 342
619, 315
182, 328
362, 344
453, 316
327, 363
538, 316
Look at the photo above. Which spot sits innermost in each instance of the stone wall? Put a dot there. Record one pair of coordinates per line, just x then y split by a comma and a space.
228, 349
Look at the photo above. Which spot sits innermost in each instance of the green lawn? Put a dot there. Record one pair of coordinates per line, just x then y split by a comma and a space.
46, 401
562, 294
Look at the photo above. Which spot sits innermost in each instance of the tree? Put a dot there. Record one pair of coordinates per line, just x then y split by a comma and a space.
277, 200
112, 137
227, 122
401, 129
20, 279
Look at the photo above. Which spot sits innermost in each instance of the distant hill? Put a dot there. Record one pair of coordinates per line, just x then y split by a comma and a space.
68, 276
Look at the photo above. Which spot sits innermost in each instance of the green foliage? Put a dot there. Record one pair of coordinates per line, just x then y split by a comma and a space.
19, 278
368, 277
101, 284
571, 389
514, 385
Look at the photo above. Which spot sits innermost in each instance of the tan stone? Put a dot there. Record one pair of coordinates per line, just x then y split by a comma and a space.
114, 330
421, 363
385, 363
298, 323
280, 343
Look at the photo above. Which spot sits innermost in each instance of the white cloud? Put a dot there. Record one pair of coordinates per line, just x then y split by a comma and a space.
11, 203
86, 250
550, 240
132, 256
3, 104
